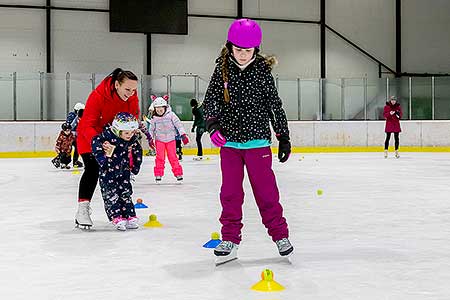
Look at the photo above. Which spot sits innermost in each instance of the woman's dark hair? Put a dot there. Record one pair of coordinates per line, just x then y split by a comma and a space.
194, 102
120, 75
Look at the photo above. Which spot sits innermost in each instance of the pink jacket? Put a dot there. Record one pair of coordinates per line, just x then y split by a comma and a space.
167, 127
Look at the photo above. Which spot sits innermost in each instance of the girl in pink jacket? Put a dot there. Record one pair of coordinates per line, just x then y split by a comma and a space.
164, 127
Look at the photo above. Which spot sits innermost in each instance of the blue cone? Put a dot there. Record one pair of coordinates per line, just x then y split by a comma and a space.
212, 244
140, 205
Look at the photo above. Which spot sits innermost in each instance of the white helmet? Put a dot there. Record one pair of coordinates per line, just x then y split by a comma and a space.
78, 106
160, 101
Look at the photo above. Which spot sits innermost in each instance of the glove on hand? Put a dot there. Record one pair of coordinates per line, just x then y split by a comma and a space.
185, 139
217, 138
284, 148
151, 144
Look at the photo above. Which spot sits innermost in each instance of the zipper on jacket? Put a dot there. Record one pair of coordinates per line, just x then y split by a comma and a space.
239, 103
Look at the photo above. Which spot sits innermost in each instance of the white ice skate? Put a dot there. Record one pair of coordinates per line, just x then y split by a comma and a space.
158, 179
120, 223
225, 252
83, 215
198, 158
179, 179
132, 223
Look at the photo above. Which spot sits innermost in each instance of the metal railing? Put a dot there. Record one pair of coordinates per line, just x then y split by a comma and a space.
47, 96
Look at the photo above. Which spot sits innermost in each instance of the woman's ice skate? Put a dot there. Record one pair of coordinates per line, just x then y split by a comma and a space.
83, 215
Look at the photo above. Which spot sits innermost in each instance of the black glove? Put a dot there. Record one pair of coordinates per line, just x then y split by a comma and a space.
284, 148
397, 113
193, 129
212, 125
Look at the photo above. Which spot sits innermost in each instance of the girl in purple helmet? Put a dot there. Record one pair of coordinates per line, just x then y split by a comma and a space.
240, 104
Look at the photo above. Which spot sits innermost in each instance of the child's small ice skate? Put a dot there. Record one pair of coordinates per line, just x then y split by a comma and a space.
197, 158
226, 251
56, 162
120, 223
285, 247
132, 223
158, 179
179, 178
396, 154
385, 154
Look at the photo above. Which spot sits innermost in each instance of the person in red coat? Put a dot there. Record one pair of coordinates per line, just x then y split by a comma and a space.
116, 93
392, 113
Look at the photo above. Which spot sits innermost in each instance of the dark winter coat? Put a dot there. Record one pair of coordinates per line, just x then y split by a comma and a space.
199, 119
392, 121
115, 170
101, 106
254, 103
64, 142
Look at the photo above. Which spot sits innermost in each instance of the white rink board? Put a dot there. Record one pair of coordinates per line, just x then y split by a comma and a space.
41, 136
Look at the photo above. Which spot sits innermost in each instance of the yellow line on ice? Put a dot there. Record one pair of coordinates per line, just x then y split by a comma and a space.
209, 151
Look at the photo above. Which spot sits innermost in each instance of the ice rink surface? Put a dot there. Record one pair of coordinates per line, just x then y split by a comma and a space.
381, 230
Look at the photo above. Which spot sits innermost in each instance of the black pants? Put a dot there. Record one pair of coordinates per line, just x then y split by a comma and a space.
64, 158
75, 151
179, 149
388, 137
89, 179
198, 138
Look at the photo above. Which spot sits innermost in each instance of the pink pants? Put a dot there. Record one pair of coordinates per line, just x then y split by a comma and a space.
161, 150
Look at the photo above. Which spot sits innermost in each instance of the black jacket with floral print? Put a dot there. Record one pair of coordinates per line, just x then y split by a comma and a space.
254, 103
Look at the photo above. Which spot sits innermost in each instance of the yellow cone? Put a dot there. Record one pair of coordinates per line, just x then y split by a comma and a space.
75, 171
153, 222
267, 284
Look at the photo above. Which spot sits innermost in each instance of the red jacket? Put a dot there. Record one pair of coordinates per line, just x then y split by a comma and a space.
64, 142
392, 121
101, 106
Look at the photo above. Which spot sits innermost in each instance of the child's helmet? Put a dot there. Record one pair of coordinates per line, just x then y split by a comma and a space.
65, 126
78, 106
245, 33
159, 102
124, 121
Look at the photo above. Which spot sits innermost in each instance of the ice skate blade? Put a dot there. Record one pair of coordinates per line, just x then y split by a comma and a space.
221, 260
82, 226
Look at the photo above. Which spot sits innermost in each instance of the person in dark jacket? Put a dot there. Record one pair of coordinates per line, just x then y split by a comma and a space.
73, 119
198, 127
115, 169
116, 93
240, 103
392, 113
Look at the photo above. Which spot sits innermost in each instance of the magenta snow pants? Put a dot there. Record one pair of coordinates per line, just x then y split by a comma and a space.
262, 179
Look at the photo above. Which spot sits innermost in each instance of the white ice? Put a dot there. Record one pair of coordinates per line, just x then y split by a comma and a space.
381, 230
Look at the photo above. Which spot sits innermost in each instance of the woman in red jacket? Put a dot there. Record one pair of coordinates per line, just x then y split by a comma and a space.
116, 93
392, 113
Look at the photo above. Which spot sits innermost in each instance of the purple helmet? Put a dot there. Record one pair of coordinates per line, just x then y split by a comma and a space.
245, 33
